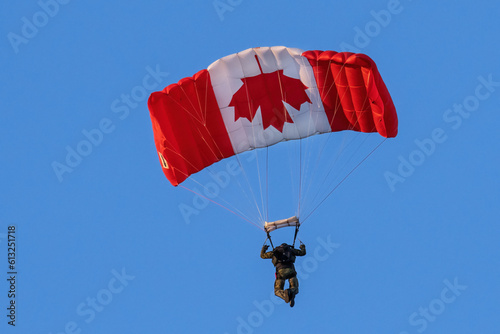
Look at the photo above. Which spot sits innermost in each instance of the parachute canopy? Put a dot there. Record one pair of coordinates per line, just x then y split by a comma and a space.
262, 96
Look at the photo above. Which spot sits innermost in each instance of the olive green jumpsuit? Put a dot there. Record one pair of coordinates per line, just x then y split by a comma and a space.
284, 271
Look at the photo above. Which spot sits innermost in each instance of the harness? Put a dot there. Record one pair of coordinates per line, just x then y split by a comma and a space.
294, 237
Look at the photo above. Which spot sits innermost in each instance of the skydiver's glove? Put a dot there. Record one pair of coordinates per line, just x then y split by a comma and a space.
302, 246
264, 248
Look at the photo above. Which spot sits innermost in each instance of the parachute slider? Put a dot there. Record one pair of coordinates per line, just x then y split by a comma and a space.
271, 226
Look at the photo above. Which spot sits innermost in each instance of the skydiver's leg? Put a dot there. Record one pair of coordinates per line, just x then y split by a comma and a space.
291, 275
294, 285
279, 284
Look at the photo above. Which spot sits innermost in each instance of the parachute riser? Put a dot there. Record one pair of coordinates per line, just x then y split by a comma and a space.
295, 235
270, 240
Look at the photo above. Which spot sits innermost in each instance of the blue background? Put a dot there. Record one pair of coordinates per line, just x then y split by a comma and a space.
382, 254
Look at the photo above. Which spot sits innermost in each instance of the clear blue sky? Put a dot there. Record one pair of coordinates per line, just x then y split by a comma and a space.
409, 243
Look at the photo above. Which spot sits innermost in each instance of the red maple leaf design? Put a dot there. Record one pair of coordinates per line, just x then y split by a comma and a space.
269, 90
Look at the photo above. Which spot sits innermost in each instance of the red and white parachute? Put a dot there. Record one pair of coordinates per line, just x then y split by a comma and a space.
262, 96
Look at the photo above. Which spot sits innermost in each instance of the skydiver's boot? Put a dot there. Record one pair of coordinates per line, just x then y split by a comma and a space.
291, 296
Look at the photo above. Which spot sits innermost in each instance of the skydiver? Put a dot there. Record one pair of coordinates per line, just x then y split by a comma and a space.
283, 258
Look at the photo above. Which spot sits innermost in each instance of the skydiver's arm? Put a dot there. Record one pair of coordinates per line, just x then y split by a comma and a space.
263, 253
301, 251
